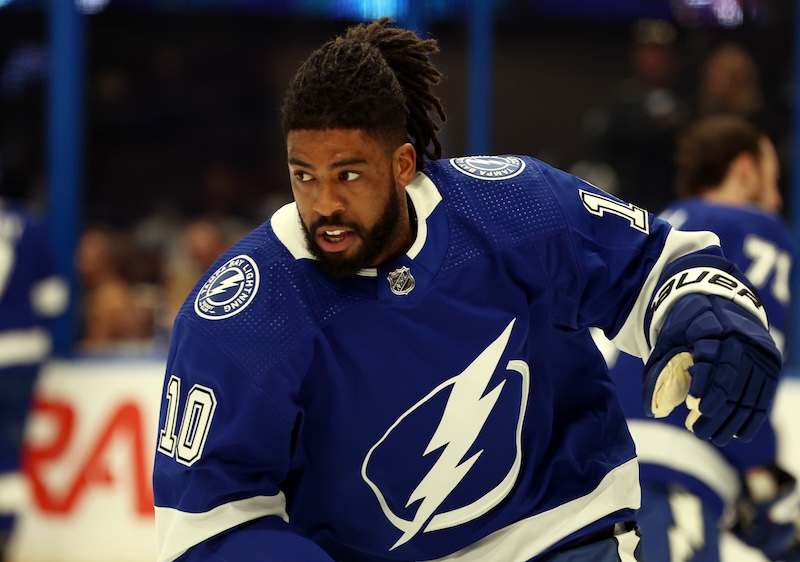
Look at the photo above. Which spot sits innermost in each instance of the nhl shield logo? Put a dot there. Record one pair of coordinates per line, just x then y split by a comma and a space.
401, 282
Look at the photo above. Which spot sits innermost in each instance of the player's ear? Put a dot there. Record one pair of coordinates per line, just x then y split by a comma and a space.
404, 163
744, 166
744, 169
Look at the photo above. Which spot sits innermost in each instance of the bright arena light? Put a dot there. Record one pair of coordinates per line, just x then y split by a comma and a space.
379, 8
729, 13
90, 6
725, 13
370, 9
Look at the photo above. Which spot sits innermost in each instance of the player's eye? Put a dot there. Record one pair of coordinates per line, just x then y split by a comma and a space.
349, 176
302, 176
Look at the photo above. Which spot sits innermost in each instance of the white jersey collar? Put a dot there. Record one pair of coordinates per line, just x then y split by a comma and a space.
424, 196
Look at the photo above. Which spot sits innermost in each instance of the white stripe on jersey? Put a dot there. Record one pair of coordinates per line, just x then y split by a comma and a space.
24, 347
631, 337
184, 530
626, 546
656, 443
529, 537
707, 281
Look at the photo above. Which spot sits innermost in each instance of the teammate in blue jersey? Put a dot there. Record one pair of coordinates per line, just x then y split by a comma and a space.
398, 364
31, 295
727, 183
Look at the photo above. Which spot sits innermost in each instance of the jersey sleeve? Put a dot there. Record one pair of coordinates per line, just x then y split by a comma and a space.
223, 449
620, 255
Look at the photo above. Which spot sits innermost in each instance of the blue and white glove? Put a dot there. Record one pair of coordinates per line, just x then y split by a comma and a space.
768, 513
718, 358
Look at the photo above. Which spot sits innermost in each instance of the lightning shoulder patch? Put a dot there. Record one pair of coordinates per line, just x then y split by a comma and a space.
229, 290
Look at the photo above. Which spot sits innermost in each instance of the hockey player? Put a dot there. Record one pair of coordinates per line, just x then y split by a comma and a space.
31, 295
398, 365
727, 183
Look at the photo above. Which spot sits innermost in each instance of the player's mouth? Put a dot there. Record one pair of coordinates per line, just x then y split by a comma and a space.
335, 239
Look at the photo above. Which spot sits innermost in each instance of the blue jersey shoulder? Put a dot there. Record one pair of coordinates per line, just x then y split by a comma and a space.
511, 199
23, 235
730, 223
259, 301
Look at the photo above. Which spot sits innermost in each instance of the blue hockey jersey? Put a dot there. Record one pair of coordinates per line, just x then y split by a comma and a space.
31, 291
447, 404
760, 245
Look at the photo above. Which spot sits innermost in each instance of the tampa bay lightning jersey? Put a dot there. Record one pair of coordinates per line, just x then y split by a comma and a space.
447, 404
761, 246
31, 291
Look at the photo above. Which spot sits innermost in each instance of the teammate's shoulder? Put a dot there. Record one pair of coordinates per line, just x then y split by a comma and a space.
772, 226
750, 217
728, 220
698, 209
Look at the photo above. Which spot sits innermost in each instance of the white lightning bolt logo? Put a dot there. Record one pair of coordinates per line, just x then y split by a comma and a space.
484, 161
225, 284
464, 416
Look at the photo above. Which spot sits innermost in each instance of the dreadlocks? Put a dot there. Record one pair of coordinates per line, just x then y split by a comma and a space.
375, 77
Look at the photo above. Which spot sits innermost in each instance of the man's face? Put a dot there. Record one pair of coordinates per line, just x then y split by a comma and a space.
350, 201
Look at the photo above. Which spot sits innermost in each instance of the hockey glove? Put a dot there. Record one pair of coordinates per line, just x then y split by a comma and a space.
768, 513
718, 358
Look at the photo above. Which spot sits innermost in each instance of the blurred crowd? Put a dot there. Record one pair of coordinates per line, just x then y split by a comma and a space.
134, 280
631, 140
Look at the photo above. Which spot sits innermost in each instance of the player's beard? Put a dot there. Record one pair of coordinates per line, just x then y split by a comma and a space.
373, 241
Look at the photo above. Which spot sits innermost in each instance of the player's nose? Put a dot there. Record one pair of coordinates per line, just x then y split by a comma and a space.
327, 199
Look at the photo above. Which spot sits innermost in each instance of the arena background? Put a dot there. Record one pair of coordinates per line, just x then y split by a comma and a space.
119, 109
